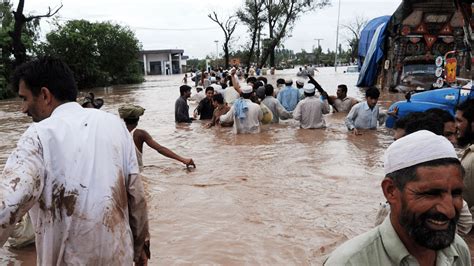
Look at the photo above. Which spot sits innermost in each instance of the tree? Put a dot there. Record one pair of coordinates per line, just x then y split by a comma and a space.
228, 27
355, 28
18, 46
99, 53
29, 36
252, 15
281, 16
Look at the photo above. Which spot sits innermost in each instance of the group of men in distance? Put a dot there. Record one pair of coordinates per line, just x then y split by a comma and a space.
429, 190
75, 170
248, 103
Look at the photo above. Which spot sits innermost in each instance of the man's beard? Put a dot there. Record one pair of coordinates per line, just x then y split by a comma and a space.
417, 228
467, 138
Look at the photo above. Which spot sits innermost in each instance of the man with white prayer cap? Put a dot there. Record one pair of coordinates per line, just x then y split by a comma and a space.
311, 109
245, 114
299, 86
288, 96
423, 184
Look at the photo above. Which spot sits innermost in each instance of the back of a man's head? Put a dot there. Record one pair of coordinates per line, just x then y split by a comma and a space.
269, 90
426, 121
218, 98
444, 115
48, 72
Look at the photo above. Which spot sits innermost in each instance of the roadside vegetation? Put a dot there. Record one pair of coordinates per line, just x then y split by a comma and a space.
100, 54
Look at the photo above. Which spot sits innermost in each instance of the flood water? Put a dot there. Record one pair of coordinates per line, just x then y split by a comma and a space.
285, 196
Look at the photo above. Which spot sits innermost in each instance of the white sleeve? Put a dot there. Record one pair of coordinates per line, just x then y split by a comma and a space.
21, 182
227, 117
297, 112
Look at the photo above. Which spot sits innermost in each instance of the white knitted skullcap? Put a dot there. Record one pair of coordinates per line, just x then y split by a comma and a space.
247, 89
415, 148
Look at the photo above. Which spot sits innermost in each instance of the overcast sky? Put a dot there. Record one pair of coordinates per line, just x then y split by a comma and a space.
183, 24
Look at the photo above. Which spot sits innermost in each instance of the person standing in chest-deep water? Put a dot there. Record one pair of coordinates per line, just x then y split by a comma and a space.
423, 184
181, 107
205, 108
366, 115
289, 96
245, 114
341, 102
75, 170
131, 115
311, 109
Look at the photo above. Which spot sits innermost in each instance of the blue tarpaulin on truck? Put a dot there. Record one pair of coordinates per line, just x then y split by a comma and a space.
370, 50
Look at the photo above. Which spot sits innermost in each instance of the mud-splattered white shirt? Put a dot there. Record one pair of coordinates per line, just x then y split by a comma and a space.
77, 174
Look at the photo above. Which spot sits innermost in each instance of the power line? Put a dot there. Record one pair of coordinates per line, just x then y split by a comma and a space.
150, 28
186, 29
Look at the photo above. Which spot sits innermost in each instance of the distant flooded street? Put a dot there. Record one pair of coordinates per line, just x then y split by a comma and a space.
282, 197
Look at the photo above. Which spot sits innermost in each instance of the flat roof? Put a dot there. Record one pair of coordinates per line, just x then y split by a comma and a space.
163, 51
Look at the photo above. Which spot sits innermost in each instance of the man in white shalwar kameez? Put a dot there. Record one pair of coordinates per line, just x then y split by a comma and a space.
76, 172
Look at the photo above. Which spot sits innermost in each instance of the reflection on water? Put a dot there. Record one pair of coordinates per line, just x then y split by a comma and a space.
284, 196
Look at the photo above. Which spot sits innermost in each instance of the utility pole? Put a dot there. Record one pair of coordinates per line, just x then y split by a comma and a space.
217, 49
317, 55
337, 36
318, 39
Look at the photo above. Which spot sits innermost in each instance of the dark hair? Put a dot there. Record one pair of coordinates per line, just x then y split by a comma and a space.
343, 87
198, 89
183, 89
289, 83
262, 79
48, 72
210, 88
402, 122
467, 108
426, 121
131, 121
280, 81
218, 98
444, 115
252, 80
269, 90
309, 94
246, 95
372, 92
403, 176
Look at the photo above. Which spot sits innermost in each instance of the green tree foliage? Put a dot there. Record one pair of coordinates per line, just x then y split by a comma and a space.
100, 54
252, 15
281, 16
29, 36
196, 64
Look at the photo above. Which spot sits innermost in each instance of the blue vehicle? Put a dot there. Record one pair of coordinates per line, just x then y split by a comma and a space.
445, 98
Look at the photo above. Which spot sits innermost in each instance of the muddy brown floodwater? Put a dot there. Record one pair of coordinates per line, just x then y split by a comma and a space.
285, 196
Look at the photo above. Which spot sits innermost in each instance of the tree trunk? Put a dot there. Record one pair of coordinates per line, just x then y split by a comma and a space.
18, 48
252, 47
226, 53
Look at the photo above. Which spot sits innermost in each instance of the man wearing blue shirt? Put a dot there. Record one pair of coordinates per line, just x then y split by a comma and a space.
288, 96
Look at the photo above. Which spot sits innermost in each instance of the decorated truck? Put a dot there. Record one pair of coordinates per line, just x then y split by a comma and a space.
399, 52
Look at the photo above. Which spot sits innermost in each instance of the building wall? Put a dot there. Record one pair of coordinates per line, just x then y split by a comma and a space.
164, 62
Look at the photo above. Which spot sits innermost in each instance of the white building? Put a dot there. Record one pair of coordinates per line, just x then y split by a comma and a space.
163, 62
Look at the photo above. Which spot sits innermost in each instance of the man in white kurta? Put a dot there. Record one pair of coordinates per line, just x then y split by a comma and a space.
310, 110
76, 172
245, 114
